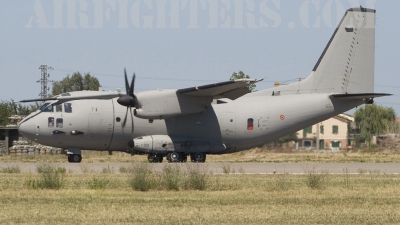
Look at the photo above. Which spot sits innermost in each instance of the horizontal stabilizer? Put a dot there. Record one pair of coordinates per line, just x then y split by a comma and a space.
360, 96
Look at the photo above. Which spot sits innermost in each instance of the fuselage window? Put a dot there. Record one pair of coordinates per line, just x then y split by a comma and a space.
47, 108
58, 108
250, 124
59, 123
51, 121
68, 107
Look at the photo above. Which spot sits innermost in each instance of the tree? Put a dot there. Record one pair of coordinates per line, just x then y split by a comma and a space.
10, 108
76, 83
242, 75
375, 120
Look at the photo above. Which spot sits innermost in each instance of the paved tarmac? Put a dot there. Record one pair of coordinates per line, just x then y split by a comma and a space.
242, 168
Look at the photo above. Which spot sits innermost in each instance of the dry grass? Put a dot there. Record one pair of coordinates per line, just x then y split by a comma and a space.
227, 199
253, 155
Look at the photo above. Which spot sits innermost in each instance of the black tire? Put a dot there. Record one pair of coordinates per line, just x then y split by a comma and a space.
174, 157
198, 157
74, 158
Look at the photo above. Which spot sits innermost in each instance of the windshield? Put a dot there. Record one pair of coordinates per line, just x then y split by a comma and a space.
46, 107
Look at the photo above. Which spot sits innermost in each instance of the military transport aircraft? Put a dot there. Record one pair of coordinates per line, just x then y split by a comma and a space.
218, 118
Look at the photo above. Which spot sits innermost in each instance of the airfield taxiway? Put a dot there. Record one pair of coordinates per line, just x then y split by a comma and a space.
242, 168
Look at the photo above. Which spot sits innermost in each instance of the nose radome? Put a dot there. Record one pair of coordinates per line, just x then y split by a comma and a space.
27, 129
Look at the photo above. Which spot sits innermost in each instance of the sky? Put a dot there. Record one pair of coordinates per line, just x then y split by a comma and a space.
181, 43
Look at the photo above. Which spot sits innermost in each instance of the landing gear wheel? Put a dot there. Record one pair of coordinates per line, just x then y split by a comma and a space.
74, 158
155, 158
198, 157
174, 157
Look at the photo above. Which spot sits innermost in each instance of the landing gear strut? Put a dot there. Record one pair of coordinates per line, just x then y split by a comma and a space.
74, 158
155, 158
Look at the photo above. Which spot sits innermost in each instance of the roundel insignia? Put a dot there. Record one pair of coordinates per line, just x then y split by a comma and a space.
282, 117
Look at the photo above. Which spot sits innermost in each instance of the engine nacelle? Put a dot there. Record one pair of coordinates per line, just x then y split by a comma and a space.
165, 143
164, 104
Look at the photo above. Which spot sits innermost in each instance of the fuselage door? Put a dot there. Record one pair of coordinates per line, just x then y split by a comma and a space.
228, 128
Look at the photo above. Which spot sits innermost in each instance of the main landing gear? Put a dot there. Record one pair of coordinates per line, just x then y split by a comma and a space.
178, 157
198, 157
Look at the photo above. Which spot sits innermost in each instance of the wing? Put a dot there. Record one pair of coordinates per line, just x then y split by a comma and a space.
79, 95
229, 89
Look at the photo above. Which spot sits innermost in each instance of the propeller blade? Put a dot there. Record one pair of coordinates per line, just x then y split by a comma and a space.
129, 100
132, 87
126, 115
126, 82
130, 108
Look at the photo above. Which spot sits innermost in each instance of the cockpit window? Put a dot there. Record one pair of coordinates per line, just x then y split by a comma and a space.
58, 107
51, 121
46, 108
68, 107
59, 123
65, 94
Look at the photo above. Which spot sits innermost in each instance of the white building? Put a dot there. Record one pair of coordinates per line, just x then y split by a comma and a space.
332, 134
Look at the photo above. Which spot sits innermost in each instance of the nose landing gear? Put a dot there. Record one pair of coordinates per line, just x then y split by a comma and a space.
74, 155
74, 158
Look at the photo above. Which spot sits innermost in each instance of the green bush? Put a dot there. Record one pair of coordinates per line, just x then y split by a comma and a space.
171, 177
51, 177
196, 176
315, 180
141, 178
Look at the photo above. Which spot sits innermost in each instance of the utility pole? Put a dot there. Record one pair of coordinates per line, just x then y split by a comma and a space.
44, 80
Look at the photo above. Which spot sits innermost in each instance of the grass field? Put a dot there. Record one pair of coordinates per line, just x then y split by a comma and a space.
253, 155
109, 198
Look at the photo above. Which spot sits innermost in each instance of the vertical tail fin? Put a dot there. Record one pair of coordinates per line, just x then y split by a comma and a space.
347, 63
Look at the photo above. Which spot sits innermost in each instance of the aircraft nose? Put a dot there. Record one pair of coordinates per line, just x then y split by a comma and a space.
27, 129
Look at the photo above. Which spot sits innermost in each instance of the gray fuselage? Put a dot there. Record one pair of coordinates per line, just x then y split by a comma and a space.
247, 122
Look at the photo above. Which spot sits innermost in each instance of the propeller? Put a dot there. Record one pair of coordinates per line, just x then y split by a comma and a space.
129, 100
